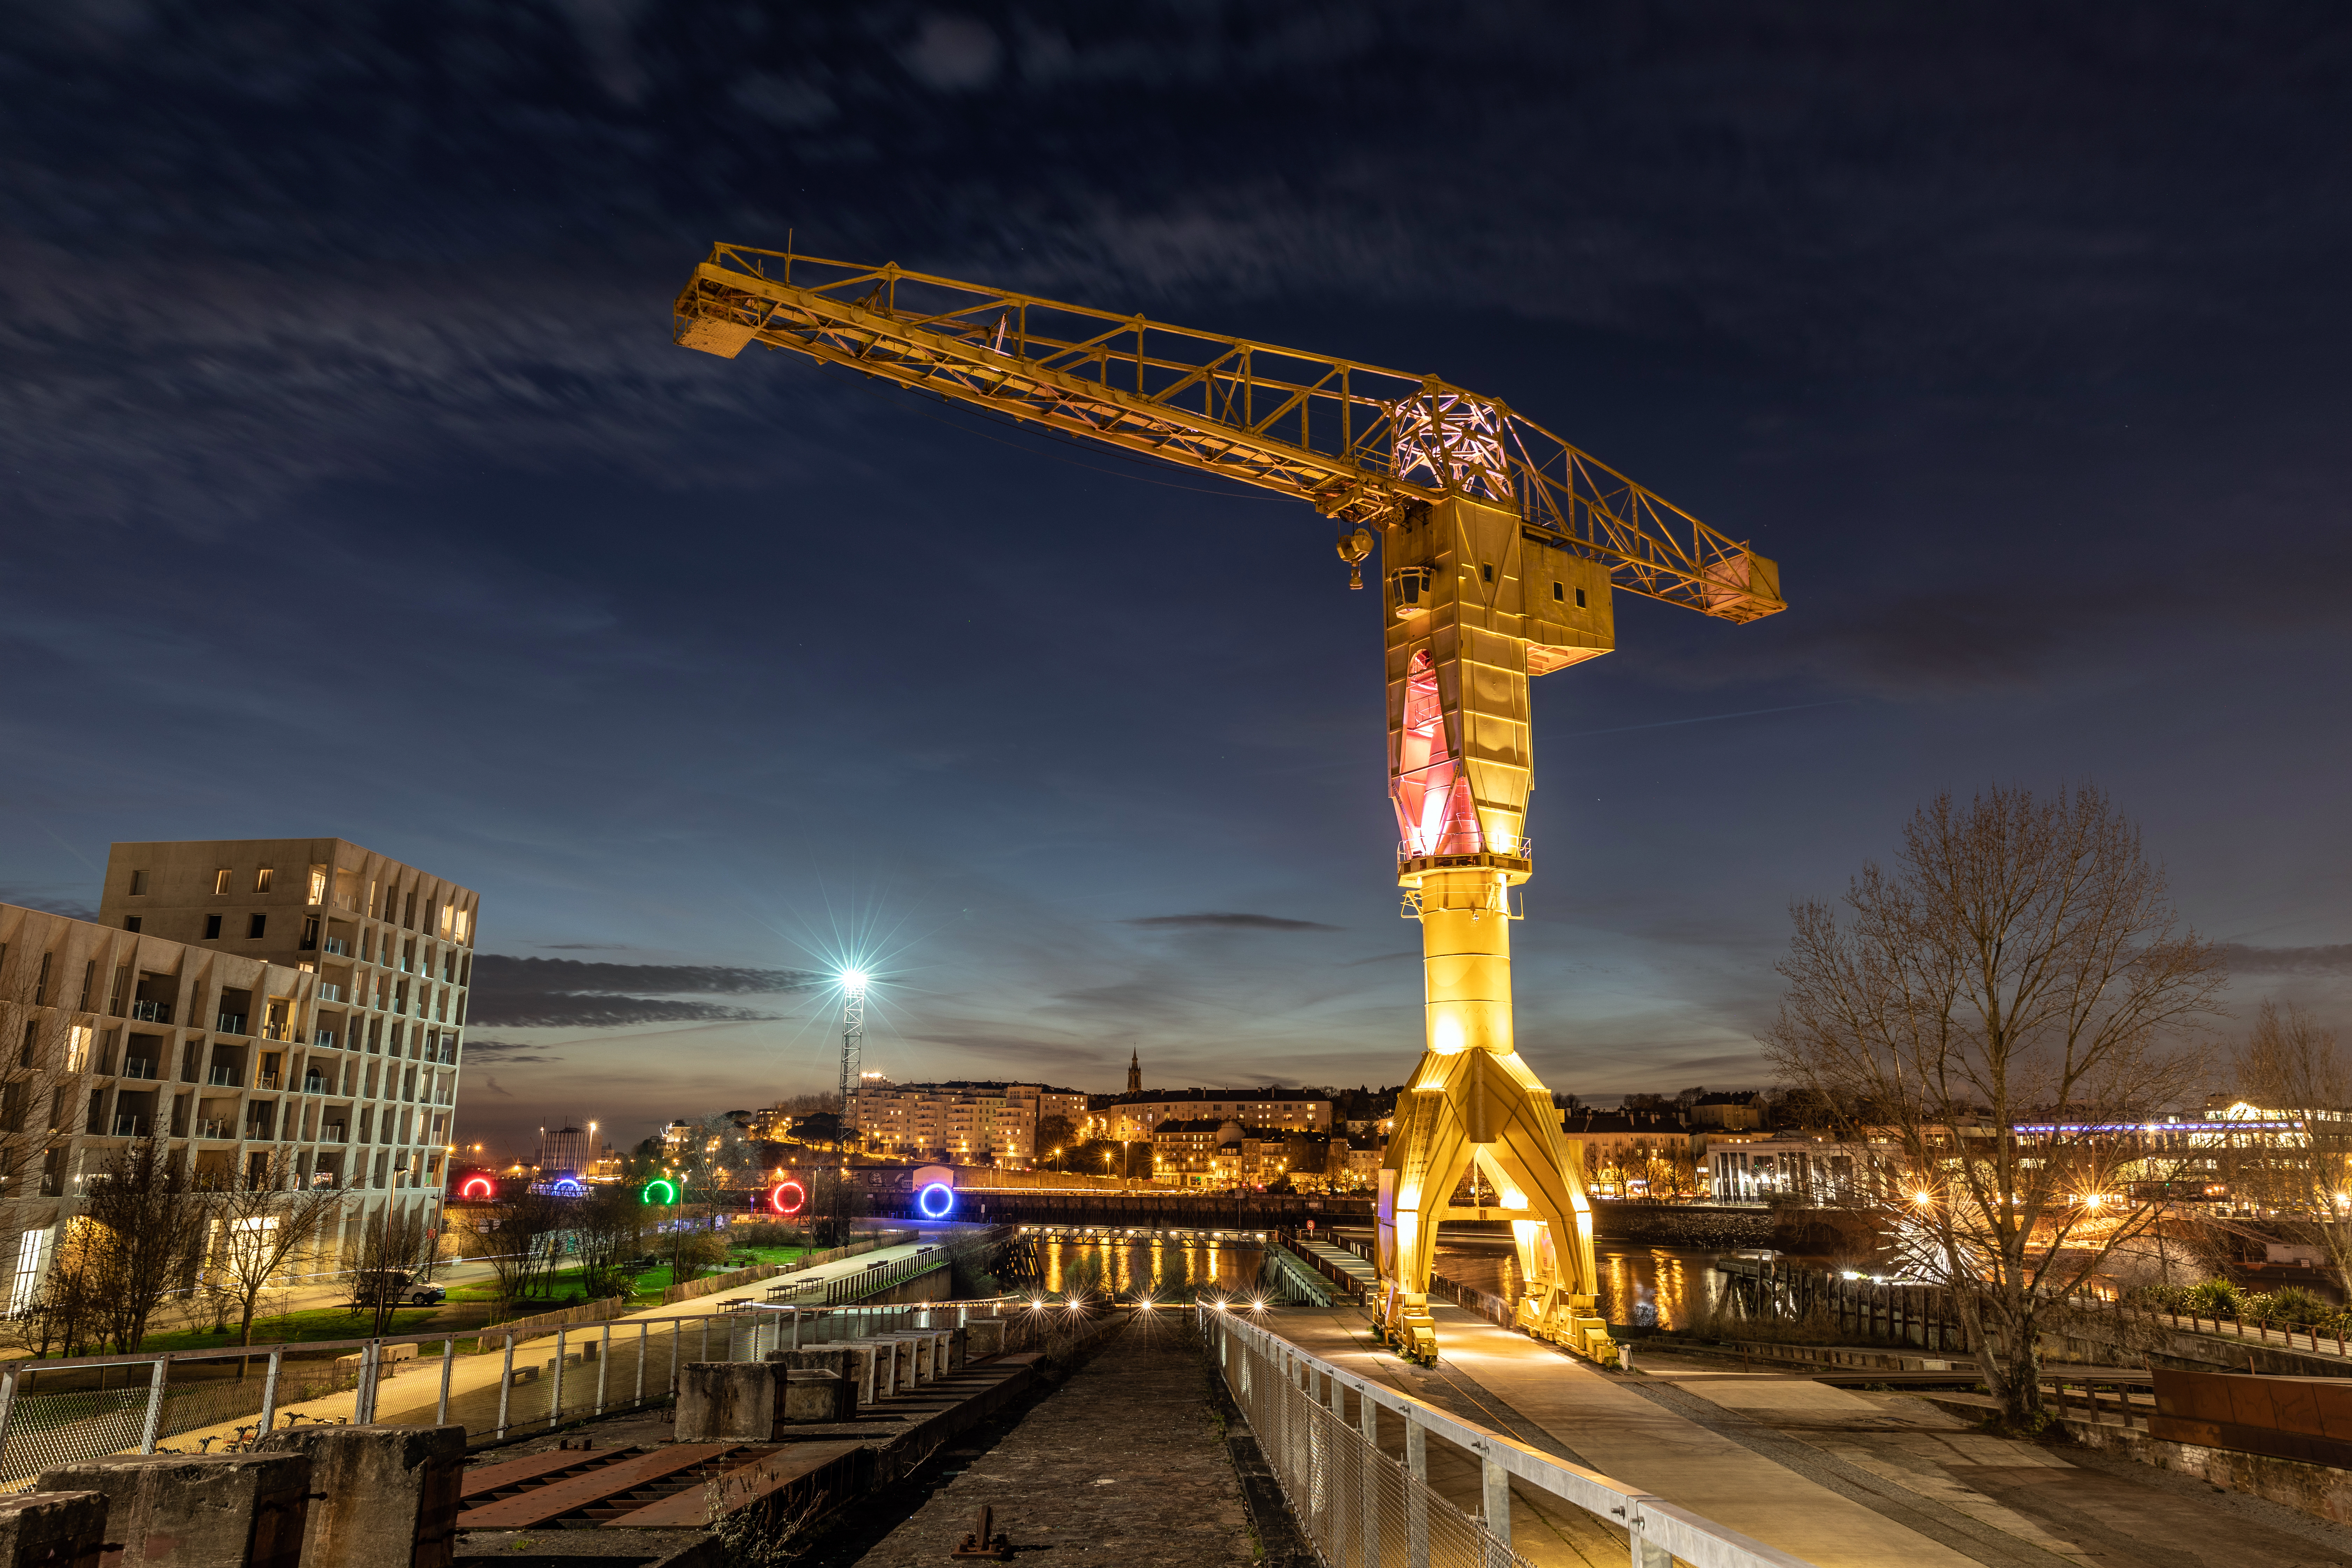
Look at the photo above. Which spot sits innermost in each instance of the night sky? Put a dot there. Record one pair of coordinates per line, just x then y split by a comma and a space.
350, 484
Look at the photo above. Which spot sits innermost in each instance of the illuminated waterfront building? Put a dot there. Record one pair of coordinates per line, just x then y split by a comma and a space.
267, 1006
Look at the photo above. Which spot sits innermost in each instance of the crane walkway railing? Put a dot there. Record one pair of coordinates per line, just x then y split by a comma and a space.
1321, 1427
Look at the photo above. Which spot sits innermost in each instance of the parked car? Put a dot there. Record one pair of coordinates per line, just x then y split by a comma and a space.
369, 1288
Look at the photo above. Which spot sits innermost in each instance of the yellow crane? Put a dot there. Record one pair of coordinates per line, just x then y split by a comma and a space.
1501, 546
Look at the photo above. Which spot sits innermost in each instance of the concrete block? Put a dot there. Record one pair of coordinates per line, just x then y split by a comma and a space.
814, 1393
984, 1337
726, 1400
853, 1364
60, 1529
197, 1510
392, 1493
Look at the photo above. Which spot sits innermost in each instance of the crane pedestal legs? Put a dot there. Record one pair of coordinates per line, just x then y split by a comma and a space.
1472, 1100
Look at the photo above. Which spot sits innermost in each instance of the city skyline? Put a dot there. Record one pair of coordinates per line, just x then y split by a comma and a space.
712, 668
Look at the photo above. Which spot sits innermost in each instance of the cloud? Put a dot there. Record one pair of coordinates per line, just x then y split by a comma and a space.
1226, 921
56, 904
565, 993
951, 54
2244, 960
586, 947
481, 1052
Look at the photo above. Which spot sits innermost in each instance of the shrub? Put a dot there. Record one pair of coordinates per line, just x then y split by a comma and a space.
2294, 1304
2213, 1299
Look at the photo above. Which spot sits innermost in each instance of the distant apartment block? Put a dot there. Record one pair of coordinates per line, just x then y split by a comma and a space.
960, 1119
1134, 1117
296, 998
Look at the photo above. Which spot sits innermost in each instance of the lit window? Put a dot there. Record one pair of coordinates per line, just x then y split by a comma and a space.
220, 880
318, 885
261, 880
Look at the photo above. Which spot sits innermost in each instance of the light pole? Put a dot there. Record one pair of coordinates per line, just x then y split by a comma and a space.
853, 1041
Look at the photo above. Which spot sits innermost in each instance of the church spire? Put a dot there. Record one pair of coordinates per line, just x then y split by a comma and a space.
1134, 1072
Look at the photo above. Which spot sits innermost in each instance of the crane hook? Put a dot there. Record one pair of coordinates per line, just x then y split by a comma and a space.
1352, 550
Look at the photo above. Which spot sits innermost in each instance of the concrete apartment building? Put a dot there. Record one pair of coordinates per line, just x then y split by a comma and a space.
960, 1119
242, 999
1134, 1116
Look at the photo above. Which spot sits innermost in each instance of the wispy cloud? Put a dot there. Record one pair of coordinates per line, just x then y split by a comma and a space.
2244, 960
1226, 922
564, 993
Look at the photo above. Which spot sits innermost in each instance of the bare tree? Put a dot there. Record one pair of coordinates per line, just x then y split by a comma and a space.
2291, 1070
395, 1245
145, 1223
262, 1219
835, 1202
1982, 1022
517, 1236
610, 1223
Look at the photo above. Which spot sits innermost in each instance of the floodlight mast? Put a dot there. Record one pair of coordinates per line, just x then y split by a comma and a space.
853, 1046
1503, 547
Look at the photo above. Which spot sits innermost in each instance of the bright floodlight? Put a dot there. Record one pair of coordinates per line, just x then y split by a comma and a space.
853, 980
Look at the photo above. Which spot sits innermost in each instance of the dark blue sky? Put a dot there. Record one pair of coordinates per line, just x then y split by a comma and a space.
349, 483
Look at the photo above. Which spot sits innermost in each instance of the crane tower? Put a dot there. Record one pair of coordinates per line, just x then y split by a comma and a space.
1501, 546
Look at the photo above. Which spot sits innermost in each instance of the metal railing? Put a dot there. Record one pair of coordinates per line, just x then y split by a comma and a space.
151, 1012
1363, 1507
138, 1066
129, 1126
58, 1412
230, 1024
225, 1078
875, 1278
323, 1038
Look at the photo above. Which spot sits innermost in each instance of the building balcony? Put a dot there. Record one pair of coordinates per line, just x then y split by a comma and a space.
226, 1077
333, 1132
323, 1038
338, 947
230, 1024
138, 1066
151, 1012
130, 1127
314, 1083
216, 1128
329, 992
265, 1080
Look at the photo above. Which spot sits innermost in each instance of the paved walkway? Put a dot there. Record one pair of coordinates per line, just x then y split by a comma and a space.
1122, 1466
1594, 1419
1832, 1475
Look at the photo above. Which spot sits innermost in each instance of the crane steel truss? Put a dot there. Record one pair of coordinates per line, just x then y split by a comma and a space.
1502, 544
1360, 442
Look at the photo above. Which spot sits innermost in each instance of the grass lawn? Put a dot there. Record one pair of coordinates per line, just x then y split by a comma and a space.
319, 1323
645, 1289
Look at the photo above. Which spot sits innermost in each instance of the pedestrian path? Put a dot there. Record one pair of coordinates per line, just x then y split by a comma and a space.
412, 1393
1598, 1419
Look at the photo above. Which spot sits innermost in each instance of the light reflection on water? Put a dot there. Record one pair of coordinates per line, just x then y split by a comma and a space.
1663, 1287
1228, 1267
1640, 1286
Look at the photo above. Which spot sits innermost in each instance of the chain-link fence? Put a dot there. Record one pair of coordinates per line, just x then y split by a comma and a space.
1362, 1506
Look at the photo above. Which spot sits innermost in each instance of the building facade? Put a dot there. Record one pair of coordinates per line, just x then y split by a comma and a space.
959, 1120
1638, 1153
285, 1010
1134, 1117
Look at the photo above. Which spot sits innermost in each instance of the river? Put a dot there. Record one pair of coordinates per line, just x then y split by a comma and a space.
1643, 1286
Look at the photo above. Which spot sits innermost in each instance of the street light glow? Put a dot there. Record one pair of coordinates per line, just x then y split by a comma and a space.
853, 980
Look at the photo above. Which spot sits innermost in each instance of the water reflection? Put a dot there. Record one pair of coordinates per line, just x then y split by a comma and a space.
1644, 1287
1163, 1267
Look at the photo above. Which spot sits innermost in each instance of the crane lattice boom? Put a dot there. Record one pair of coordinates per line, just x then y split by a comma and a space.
1363, 444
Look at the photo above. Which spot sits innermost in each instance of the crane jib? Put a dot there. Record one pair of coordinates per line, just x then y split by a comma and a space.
1362, 443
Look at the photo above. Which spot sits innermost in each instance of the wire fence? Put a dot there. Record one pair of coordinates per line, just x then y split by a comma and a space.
1362, 1506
